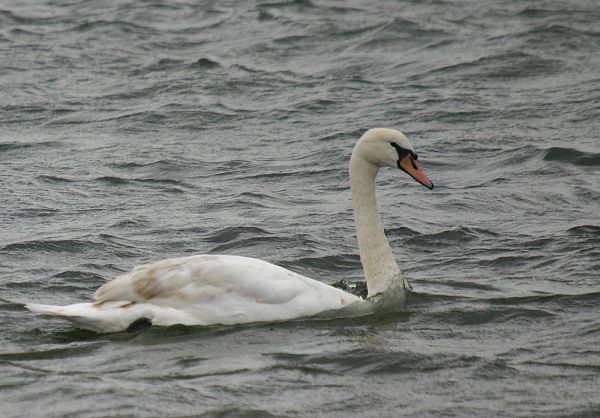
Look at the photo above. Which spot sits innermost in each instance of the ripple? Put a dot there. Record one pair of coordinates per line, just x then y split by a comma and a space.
490, 315
554, 34
131, 223
77, 274
57, 245
451, 236
573, 156
495, 369
163, 64
50, 354
567, 300
238, 412
234, 233
342, 262
162, 164
113, 180
399, 31
175, 186
585, 230
505, 65
380, 362
245, 243
206, 64
126, 27
7, 15
55, 179
15, 146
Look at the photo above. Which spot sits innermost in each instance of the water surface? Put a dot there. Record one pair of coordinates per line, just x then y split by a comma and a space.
134, 131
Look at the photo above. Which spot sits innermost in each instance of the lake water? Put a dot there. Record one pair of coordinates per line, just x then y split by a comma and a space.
132, 131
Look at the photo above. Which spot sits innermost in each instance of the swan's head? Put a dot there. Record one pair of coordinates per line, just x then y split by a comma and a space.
384, 147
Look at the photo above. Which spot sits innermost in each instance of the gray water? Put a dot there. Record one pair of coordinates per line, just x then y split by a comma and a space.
132, 131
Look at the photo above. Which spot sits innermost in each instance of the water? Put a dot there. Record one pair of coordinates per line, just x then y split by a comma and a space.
134, 131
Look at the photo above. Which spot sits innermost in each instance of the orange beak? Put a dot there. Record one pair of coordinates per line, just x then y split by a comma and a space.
410, 166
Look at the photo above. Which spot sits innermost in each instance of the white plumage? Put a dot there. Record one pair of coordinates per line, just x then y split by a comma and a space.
224, 289
203, 290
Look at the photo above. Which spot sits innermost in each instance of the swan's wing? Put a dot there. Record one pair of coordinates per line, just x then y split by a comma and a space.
160, 280
206, 278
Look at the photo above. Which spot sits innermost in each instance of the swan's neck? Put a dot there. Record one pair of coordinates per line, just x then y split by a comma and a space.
375, 253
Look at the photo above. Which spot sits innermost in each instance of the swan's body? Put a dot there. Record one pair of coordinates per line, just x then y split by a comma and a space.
203, 290
221, 289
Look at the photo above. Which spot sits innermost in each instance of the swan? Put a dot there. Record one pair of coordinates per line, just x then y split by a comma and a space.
227, 289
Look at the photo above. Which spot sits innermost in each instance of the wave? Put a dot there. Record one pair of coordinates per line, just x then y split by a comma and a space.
130, 223
7, 15
589, 299
397, 33
451, 236
123, 26
50, 354
235, 233
17, 146
482, 315
52, 245
505, 65
78, 274
206, 64
169, 64
585, 230
560, 34
377, 361
54, 179
572, 156
275, 9
113, 180
169, 185
337, 263
104, 244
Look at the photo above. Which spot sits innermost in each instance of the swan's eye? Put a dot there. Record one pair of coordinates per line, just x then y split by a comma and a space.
401, 151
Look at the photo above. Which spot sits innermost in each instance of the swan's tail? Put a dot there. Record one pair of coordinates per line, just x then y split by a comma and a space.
100, 316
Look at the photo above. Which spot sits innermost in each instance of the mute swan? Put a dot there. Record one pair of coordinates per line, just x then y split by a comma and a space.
225, 289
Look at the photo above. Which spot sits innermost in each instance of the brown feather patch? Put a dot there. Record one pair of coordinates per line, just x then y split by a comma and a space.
147, 287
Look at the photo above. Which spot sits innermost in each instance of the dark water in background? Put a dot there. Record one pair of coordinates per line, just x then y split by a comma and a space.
133, 131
